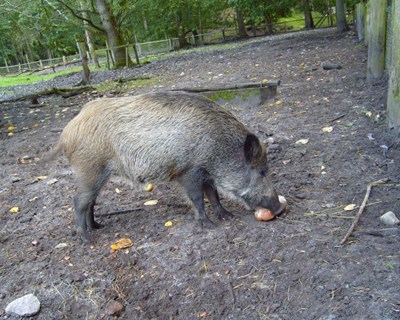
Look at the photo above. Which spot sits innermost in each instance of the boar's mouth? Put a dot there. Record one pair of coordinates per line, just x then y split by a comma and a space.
272, 204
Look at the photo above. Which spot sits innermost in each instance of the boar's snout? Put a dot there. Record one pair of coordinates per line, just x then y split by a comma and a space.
272, 203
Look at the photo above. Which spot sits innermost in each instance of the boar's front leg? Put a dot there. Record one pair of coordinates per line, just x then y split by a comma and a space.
193, 181
212, 196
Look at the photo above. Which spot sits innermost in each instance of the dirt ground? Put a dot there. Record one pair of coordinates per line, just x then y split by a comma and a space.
290, 268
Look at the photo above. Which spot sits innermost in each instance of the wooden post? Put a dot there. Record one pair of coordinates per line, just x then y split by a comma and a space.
126, 57
136, 54
41, 64
64, 61
393, 99
5, 62
376, 41
360, 21
27, 61
108, 59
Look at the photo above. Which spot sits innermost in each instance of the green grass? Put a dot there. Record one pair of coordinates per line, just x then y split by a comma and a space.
22, 79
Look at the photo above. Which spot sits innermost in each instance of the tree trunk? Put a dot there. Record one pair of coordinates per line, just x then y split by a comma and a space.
86, 70
240, 22
341, 24
360, 21
376, 42
113, 36
393, 100
309, 22
89, 40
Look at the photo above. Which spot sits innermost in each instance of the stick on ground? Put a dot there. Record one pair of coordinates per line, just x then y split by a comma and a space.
360, 211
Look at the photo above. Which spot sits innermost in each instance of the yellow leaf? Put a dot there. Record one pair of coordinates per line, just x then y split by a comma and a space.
151, 203
302, 141
279, 102
41, 178
327, 129
168, 224
10, 134
349, 207
149, 187
36, 125
122, 243
11, 128
14, 210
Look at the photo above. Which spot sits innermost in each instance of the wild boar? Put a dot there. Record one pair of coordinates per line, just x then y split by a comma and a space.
166, 136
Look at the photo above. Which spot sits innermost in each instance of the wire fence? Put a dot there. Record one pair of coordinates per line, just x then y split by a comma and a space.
141, 50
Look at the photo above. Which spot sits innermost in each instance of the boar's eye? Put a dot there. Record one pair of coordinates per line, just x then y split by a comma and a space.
263, 171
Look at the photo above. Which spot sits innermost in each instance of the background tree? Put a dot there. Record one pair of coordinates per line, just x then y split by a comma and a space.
341, 24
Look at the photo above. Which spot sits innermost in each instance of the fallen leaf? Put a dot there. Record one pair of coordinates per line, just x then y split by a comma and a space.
41, 178
61, 245
151, 203
203, 314
10, 134
52, 181
11, 128
36, 125
122, 243
149, 187
117, 190
14, 210
279, 102
24, 160
327, 129
349, 207
302, 141
33, 199
168, 224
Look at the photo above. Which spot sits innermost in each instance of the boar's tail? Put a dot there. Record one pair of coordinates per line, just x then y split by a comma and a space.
52, 154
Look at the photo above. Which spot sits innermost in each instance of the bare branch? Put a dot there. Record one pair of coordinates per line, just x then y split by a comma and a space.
76, 15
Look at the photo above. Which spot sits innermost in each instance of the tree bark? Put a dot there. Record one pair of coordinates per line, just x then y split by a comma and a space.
360, 21
393, 100
341, 24
241, 25
89, 39
309, 22
376, 42
86, 70
113, 36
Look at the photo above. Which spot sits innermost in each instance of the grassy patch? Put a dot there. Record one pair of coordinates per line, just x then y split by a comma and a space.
22, 79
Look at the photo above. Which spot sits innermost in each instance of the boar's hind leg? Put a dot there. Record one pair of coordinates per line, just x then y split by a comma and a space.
212, 195
89, 185
193, 182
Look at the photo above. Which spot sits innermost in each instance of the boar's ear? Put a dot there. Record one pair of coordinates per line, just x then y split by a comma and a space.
252, 148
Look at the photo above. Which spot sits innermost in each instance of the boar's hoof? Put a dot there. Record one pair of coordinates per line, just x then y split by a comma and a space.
97, 225
225, 215
205, 223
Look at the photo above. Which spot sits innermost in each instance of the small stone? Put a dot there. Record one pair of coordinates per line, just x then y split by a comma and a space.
389, 218
114, 308
25, 306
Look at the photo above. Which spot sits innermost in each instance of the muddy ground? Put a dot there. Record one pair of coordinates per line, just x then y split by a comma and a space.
290, 268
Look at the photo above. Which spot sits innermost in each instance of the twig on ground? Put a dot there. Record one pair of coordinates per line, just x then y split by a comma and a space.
360, 211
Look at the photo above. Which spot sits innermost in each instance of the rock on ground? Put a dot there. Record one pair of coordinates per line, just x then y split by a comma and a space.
26, 306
